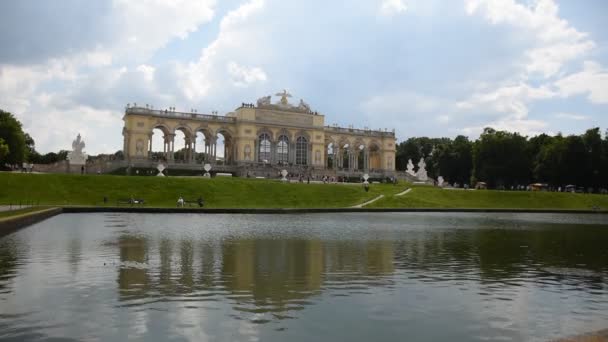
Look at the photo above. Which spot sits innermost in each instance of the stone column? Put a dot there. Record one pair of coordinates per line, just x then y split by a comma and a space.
193, 157
172, 146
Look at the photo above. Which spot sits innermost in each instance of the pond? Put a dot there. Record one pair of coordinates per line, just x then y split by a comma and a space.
307, 277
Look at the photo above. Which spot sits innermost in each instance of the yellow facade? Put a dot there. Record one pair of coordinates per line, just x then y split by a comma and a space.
264, 135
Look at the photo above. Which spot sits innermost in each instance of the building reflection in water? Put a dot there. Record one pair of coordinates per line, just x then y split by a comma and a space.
258, 275
133, 280
277, 275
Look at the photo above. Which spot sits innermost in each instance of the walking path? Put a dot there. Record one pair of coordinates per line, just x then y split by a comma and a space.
368, 202
404, 192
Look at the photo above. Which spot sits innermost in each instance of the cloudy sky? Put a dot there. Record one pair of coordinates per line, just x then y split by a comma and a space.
423, 67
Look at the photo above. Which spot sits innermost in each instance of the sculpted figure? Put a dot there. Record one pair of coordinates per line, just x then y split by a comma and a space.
264, 101
421, 174
410, 168
77, 156
304, 106
77, 145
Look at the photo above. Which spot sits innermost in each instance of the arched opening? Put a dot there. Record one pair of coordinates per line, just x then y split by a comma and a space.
361, 157
375, 163
264, 148
201, 147
345, 156
181, 152
283, 150
157, 146
222, 150
301, 151
330, 156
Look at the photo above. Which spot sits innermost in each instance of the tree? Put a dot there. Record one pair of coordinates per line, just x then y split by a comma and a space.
3, 149
594, 150
501, 158
12, 134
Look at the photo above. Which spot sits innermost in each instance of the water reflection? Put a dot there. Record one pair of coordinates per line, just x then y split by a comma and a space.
258, 275
477, 277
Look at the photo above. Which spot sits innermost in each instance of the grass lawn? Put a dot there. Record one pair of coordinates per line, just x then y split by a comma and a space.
433, 197
220, 192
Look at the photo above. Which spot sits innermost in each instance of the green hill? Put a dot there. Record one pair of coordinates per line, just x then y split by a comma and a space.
433, 197
220, 192
62, 189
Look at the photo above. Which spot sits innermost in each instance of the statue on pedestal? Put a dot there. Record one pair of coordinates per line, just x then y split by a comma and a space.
421, 174
77, 156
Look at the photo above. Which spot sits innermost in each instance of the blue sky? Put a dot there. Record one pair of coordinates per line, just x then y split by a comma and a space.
424, 67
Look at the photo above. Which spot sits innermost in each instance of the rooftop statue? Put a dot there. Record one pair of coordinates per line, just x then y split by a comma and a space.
284, 95
264, 101
304, 106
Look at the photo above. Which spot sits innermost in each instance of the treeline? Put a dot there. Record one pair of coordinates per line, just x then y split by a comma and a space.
17, 146
505, 159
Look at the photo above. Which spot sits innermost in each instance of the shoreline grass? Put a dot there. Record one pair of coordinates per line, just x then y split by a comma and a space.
434, 197
89, 190
11, 214
163, 192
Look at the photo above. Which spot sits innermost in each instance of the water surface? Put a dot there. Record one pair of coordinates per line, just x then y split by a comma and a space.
358, 277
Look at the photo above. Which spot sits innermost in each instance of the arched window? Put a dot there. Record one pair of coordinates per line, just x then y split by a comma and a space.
301, 151
264, 152
283, 150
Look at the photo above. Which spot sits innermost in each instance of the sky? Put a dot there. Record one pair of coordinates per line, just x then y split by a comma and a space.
423, 67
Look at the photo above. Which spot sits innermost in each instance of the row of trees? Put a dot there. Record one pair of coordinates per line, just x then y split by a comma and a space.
505, 159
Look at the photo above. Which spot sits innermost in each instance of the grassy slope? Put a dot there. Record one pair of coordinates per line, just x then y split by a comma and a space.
59, 189
19, 212
431, 197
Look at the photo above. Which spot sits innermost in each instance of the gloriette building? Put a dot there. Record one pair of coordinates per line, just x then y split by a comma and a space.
258, 139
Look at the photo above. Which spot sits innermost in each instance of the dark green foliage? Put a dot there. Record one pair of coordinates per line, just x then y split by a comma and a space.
504, 159
13, 136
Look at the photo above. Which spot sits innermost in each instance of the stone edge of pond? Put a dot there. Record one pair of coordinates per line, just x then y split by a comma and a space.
85, 209
11, 224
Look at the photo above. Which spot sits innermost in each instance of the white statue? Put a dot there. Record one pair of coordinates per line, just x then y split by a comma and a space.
421, 174
264, 101
304, 106
410, 168
77, 155
284, 95
440, 181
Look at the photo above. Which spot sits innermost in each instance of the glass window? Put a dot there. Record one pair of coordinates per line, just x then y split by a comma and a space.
283, 150
264, 152
301, 151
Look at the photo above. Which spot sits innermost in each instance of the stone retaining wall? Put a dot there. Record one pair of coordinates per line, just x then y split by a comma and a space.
11, 224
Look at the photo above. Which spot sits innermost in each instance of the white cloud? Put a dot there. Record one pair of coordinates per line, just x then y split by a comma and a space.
592, 80
571, 116
511, 124
556, 41
142, 27
554, 44
147, 71
392, 7
511, 99
243, 76
196, 78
